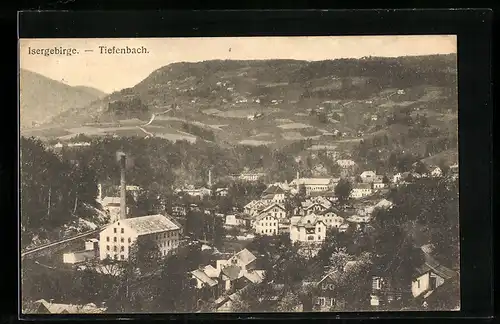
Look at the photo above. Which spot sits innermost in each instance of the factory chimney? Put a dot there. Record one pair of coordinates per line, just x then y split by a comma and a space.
123, 188
210, 179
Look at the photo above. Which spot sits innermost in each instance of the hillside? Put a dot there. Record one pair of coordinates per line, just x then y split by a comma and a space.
293, 100
42, 98
92, 91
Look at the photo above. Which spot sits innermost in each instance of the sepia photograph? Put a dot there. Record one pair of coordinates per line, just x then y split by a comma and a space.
239, 174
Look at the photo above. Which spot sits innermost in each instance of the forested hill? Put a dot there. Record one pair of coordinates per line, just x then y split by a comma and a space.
42, 98
289, 80
213, 100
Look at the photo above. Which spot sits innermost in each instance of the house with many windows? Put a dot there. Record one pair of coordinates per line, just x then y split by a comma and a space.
332, 219
307, 229
116, 239
324, 292
361, 190
313, 184
266, 224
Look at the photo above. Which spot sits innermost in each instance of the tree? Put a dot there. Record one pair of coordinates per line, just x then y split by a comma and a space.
343, 190
255, 298
144, 254
302, 192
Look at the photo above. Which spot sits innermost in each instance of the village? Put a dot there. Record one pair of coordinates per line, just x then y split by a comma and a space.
305, 211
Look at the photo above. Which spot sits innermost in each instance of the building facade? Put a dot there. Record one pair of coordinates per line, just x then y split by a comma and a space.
116, 240
307, 229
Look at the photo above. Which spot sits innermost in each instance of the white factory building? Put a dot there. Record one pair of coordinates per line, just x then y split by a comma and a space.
115, 241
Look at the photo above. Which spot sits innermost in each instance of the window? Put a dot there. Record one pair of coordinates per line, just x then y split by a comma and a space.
122, 230
129, 240
122, 257
319, 237
116, 256
418, 283
122, 248
114, 230
114, 239
107, 238
115, 248
107, 247
122, 240
321, 301
107, 256
319, 229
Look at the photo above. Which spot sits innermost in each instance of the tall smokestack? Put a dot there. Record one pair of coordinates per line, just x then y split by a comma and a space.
123, 188
209, 178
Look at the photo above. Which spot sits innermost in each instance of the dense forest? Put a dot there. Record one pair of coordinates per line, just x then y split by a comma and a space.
54, 191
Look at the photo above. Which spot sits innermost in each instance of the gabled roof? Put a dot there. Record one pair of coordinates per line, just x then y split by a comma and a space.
245, 257
316, 203
333, 275
268, 196
253, 276
211, 271
203, 277
150, 224
434, 266
301, 221
274, 189
271, 206
262, 215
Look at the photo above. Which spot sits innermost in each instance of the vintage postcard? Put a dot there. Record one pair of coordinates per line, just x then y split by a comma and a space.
248, 174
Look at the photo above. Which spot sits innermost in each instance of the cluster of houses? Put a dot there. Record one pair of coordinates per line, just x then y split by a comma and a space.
305, 221
228, 278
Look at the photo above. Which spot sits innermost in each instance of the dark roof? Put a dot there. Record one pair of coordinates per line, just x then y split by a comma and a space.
232, 272
274, 190
433, 265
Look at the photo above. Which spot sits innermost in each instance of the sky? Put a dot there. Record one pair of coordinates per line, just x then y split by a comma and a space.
113, 72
